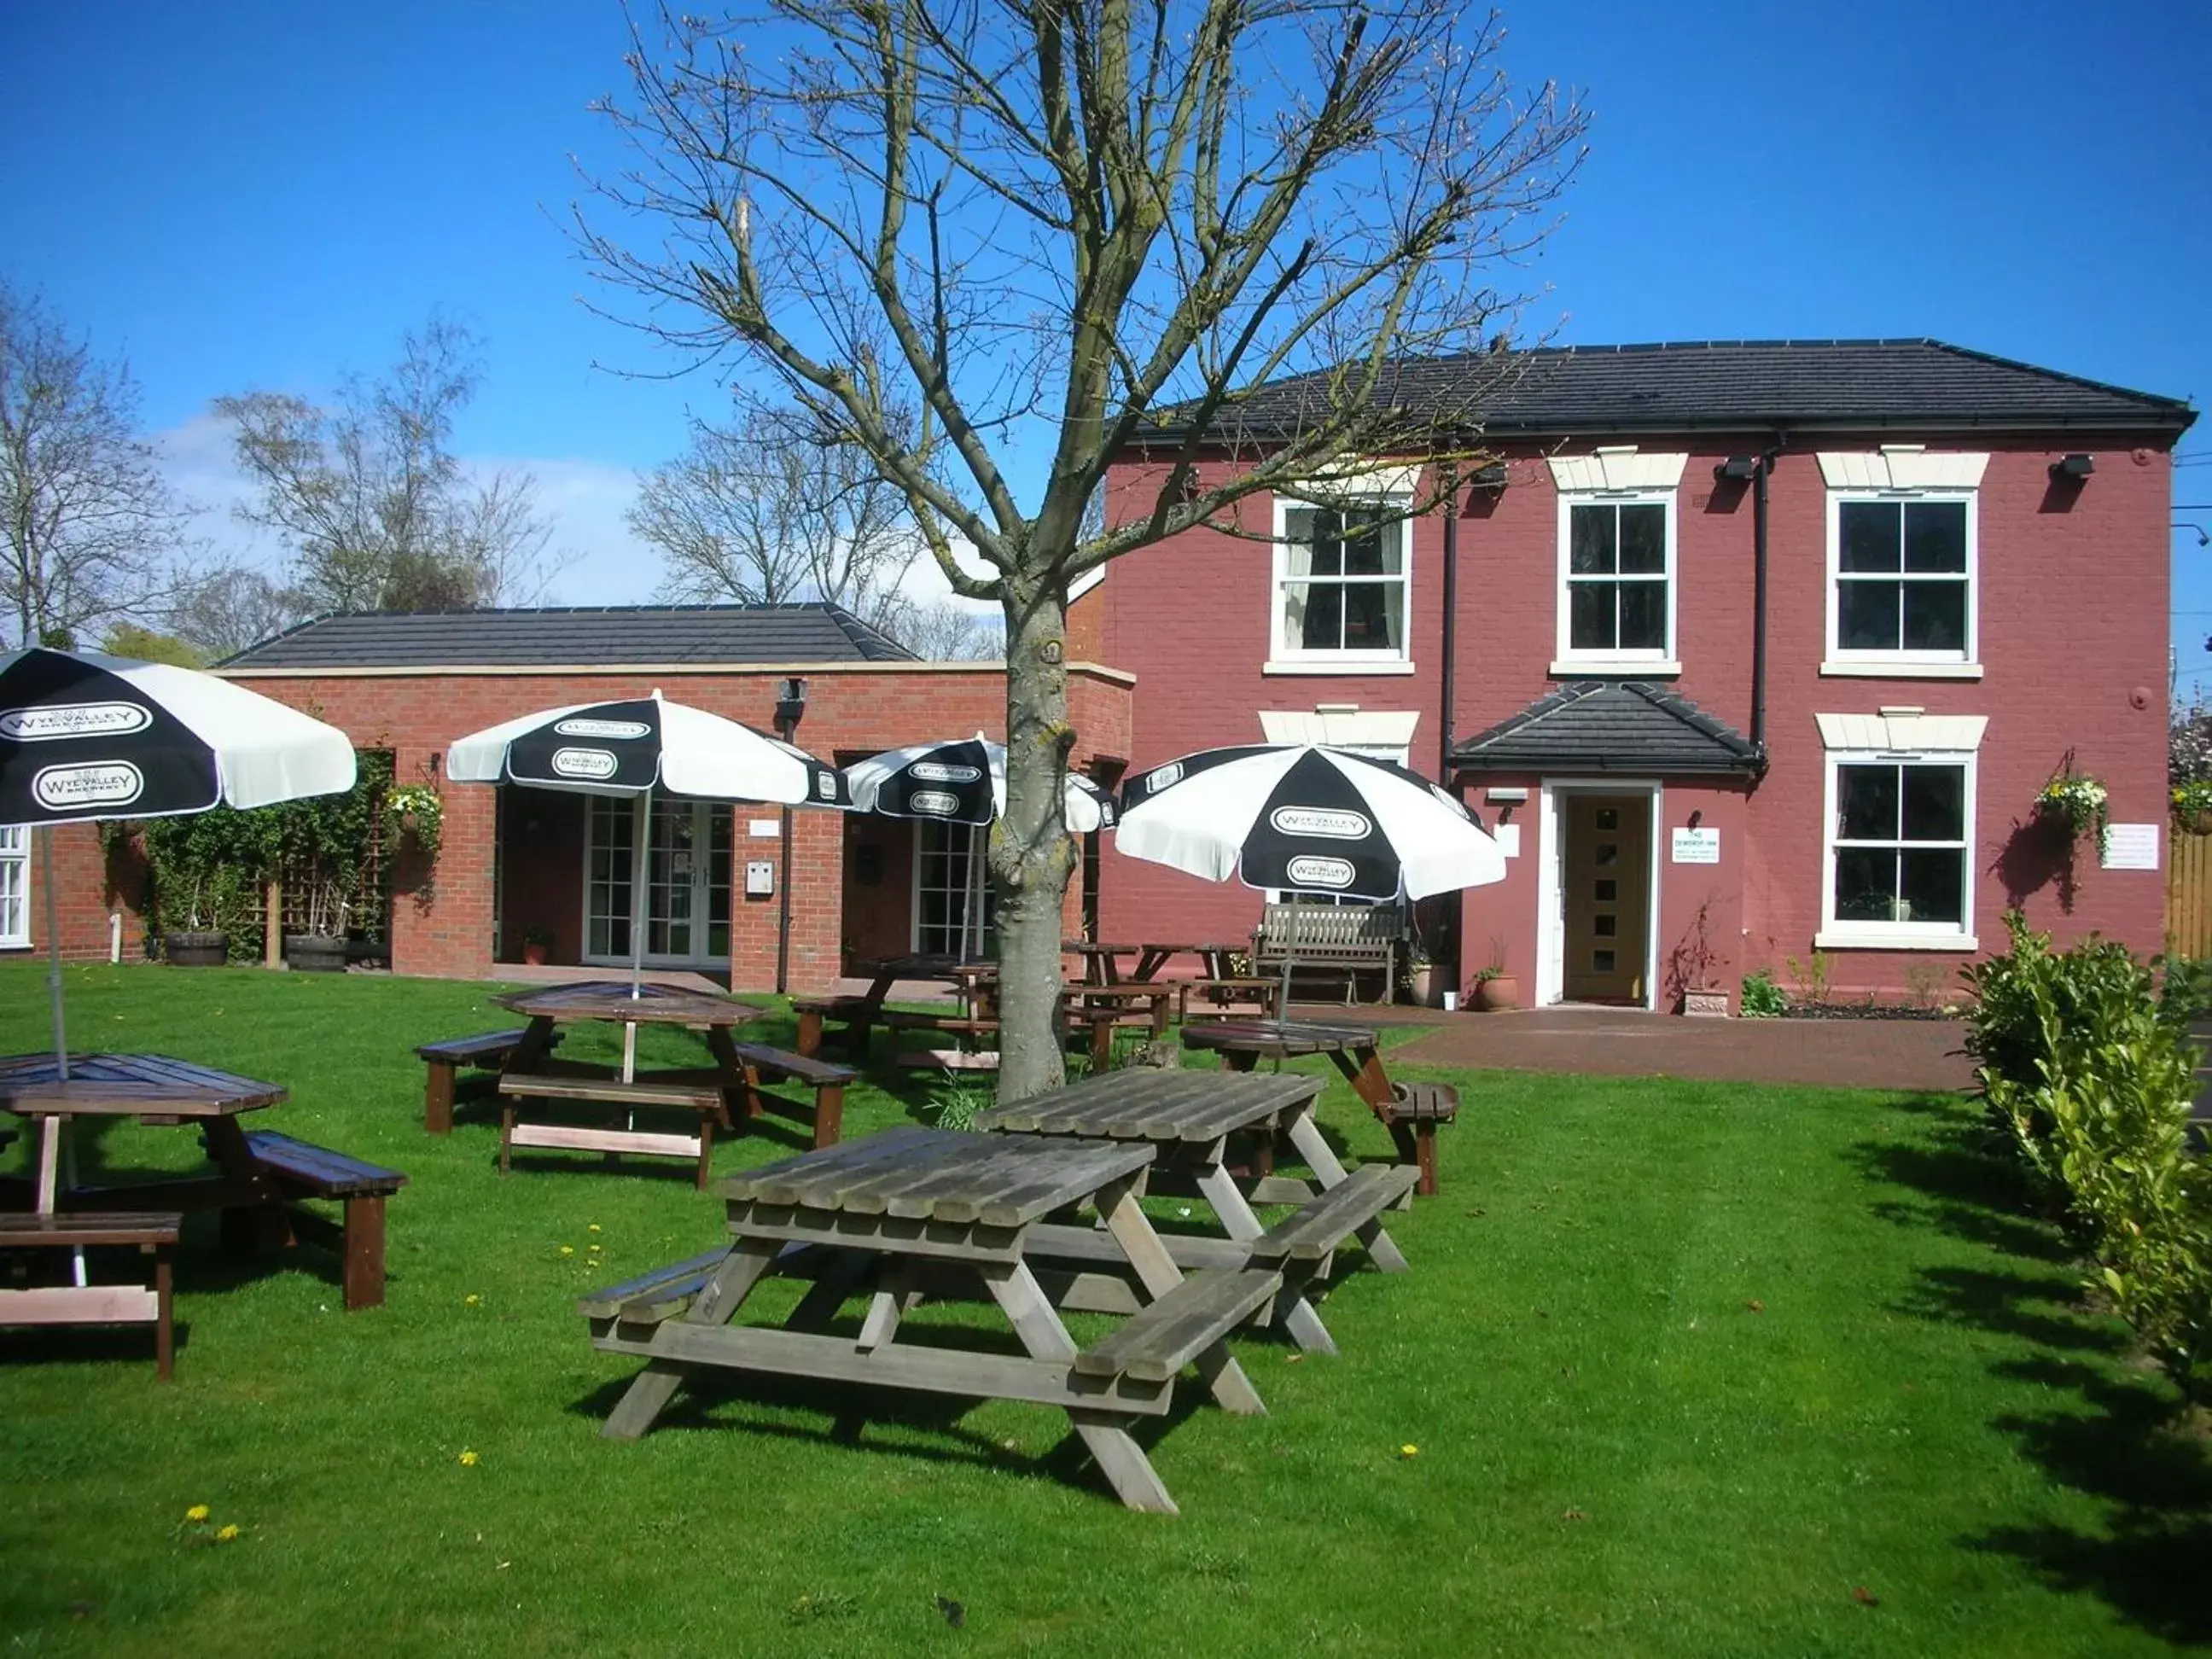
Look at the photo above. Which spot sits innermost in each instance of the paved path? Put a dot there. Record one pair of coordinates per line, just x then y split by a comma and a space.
1877, 1053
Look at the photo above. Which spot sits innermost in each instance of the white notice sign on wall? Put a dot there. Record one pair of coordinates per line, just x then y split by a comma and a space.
2130, 846
763, 828
1507, 837
1697, 847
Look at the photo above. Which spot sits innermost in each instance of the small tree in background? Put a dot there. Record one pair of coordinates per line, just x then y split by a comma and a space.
980, 243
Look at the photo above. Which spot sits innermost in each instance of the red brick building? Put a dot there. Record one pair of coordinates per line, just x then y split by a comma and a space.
1966, 587
514, 859
1697, 769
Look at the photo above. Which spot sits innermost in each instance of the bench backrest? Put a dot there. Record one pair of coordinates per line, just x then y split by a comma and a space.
1332, 926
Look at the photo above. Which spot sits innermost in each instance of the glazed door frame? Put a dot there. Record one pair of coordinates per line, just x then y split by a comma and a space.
1551, 909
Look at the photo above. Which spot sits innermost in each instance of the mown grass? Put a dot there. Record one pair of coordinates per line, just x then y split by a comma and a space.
1691, 1368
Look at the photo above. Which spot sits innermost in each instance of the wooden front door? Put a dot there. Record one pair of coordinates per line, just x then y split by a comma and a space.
1607, 901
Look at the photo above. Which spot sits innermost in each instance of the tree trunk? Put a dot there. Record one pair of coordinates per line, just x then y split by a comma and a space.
1032, 855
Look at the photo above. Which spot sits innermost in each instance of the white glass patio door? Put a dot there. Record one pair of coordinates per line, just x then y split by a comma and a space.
687, 882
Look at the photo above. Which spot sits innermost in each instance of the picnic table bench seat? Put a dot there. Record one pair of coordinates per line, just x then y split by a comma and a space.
302, 1171
1412, 1117
1312, 1233
826, 1116
153, 1232
698, 1092
650, 1298
486, 1051
858, 1011
1164, 1336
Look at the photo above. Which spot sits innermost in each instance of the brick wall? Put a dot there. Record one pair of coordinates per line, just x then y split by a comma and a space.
1191, 620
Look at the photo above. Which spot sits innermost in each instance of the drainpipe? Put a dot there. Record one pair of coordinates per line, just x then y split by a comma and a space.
1451, 631
1765, 469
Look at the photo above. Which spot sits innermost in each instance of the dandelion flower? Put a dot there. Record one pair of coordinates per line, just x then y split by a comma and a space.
197, 1513
225, 1534
468, 1460
567, 1249
470, 1300
595, 1226
1409, 1450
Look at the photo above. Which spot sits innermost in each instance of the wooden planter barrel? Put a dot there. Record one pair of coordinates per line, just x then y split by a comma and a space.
315, 953
196, 948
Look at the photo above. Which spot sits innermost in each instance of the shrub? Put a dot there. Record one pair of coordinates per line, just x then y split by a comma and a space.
2092, 1073
1762, 997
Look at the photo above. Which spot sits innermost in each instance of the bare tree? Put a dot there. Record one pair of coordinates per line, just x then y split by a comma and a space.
1046, 224
235, 606
943, 630
370, 500
762, 514
93, 531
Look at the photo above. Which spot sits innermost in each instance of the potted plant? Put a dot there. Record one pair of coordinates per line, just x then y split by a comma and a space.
1690, 966
2073, 802
1495, 988
202, 942
1420, 976
417, 811
536, 941
2192, 806
322, 948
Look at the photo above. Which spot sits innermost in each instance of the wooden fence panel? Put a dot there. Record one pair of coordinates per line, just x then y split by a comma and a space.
2189, 893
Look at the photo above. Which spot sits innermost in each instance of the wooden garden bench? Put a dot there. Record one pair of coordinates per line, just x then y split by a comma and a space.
1353, 937
1187, 1324
826, 1116
487, 1051
1312, 1233
154, 1234
701, 1092
1412, 1117
300, 1171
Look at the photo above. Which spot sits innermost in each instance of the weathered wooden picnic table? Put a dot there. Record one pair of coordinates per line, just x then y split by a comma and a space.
710, 1093
1193, 1120
1103, 963
884, 1215
1354, 1049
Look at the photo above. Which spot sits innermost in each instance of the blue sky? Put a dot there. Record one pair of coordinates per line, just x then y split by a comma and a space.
256, 195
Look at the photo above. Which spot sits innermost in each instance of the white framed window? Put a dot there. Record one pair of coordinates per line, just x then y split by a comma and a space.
1898, 864
687, 881
15, 885
1903, 553
945, 879
1343, 585
1617, 579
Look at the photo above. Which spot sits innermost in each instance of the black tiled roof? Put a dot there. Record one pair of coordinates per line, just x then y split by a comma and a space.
1735, 385
603, 636
1609, 726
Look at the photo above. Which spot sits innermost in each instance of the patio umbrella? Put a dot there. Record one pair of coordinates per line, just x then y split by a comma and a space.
1304, 818
636, 747
84, 737
962, 781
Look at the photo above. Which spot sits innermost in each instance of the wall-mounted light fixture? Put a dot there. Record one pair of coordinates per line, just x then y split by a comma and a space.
790, 705
1738, 469
1696, 817
1505, 799
2203, 538
1491, 477
2072, 468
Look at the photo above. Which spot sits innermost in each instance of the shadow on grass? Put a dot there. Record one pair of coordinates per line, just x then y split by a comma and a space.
2124, 1437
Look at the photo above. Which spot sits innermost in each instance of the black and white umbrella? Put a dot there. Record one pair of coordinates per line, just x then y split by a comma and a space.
1303, 818
85, 736
639, 747
962, 781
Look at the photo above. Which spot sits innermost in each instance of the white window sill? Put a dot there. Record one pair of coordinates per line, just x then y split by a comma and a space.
1863, 669
1613, 668
1874, 941
1345, 666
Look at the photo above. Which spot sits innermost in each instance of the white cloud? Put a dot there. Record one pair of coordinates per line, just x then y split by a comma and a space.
584, 500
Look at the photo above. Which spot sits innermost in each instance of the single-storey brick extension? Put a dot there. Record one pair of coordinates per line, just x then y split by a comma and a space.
1754, 651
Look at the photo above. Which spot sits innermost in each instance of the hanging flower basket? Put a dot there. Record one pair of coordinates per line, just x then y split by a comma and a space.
2076, 802
417, 811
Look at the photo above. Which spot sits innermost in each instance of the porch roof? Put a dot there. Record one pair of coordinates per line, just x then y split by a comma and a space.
1609, 726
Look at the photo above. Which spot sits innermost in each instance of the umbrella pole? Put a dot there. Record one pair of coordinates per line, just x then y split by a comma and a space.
1289, 949
53, 950
640, 818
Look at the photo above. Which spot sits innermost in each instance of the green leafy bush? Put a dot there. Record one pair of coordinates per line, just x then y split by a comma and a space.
1762, 997
2091, 1071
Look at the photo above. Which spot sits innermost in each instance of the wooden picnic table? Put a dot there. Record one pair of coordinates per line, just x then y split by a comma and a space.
1191, 1118
861, 1012
1102, 1009
1103, 963
891, 1217
1354, 1049
154, 1089
709, 1092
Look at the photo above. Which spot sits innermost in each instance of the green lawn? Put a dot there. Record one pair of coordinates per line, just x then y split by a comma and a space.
1692, 1369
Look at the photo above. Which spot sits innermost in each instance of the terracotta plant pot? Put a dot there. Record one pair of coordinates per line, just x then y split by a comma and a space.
1421, 987
534, 954
196, 948
1498, 993
315, 953
2196, 822
1709, 1003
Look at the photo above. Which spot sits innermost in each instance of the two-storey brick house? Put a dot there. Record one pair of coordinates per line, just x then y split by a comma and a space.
1760, 651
